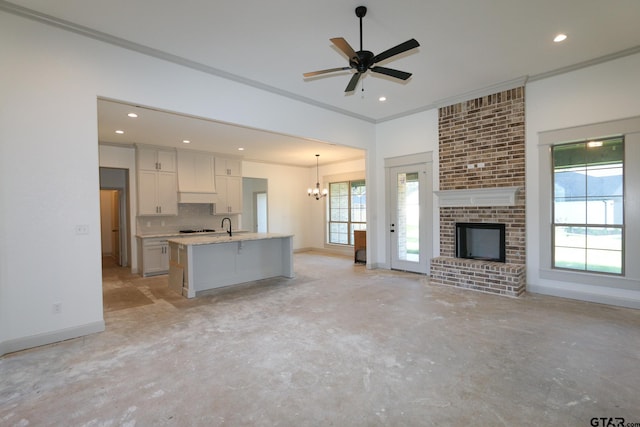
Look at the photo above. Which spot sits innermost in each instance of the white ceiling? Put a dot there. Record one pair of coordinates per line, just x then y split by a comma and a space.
157, 127
467, 46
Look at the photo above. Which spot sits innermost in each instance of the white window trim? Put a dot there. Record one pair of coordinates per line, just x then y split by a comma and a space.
630, 128
327, 179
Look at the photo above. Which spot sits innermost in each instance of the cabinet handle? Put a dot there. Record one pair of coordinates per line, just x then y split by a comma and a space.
160, 166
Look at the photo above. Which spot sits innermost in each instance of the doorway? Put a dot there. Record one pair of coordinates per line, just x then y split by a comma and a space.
110, 225
115, 233
410, 211
260, 200
255, 205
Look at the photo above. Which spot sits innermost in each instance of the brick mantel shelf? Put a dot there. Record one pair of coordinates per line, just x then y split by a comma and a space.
493, 196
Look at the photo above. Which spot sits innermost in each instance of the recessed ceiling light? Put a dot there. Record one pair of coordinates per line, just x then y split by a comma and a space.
592, 144
119, 132
132, 115
560, 38
382, 98
240, 149
186, 141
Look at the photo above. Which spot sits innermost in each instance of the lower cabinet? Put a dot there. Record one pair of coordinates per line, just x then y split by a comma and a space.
154, 256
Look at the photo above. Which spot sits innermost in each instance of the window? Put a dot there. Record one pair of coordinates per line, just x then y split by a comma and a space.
347, 210
588, 206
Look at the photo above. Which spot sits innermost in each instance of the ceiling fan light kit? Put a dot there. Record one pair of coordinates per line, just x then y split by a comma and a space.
364, 60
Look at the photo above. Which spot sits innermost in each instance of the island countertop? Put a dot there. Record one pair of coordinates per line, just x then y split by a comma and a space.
199, 263
224, 238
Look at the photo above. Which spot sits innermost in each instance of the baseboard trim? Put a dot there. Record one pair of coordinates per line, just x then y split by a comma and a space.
328, 250
625, 298
18, 344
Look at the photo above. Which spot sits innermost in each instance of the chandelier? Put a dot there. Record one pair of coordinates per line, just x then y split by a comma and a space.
315, 192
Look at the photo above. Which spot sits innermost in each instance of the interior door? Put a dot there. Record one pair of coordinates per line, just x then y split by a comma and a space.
409, 212
115, 226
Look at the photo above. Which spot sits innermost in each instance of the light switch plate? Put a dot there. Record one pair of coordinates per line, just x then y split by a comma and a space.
82, 229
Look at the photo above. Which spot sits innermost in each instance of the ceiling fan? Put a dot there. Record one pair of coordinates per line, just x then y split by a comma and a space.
364, 60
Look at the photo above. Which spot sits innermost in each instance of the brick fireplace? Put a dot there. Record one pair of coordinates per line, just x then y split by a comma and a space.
482, 180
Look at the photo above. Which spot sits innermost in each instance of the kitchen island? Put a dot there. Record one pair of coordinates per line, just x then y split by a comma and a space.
200, 263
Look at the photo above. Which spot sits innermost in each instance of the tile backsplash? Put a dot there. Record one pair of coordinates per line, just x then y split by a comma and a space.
190, 216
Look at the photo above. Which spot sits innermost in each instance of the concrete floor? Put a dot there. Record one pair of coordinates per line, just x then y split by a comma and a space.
338, 345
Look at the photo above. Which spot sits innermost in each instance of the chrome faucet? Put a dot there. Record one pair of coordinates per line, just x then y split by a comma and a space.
222, 225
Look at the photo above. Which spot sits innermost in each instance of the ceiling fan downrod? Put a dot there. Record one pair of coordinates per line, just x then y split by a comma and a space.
361, 12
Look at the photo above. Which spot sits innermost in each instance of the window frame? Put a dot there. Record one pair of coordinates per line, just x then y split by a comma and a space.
349, 221
543, 195
586, 224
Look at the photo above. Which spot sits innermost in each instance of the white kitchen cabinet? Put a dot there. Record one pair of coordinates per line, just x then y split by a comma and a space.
156, 159
196, 172
229, 167
229, 195
154, 256
157, 181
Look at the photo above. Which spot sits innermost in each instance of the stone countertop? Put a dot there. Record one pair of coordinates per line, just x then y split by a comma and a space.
178, 234
213, 239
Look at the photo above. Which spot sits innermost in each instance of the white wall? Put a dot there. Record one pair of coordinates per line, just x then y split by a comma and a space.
49, 163
595, 94
288, 206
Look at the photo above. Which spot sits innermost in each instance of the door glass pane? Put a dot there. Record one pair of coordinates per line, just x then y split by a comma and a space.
408, 217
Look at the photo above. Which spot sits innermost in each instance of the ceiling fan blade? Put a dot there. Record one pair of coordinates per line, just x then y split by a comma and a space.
345, 47
329, 70
353, 82
402, 47
402, 75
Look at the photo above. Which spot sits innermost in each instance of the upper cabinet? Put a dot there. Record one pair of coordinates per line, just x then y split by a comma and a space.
157, 182
156, 159
229, 197
229, 167
228, 185
196, 177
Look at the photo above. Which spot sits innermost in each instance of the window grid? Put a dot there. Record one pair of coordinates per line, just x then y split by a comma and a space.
588, 207
347, 210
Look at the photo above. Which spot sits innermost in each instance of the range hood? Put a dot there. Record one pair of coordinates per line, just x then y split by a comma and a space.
196, 197
196, 177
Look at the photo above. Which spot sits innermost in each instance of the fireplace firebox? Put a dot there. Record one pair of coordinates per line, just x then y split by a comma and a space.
481, 241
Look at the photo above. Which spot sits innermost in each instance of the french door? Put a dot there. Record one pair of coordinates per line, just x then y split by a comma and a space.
410, 217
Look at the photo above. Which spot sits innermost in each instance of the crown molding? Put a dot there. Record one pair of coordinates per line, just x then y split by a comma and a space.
159, 54
146, 50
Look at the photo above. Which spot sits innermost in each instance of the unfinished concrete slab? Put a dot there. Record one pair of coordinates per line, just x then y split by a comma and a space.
338, 345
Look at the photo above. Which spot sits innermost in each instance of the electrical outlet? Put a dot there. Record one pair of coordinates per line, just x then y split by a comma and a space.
57, 308
82, 229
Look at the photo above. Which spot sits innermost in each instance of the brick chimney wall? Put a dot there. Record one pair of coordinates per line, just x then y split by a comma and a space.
489, 130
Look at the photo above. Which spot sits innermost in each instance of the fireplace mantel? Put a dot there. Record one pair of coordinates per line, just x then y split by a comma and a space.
494, 196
